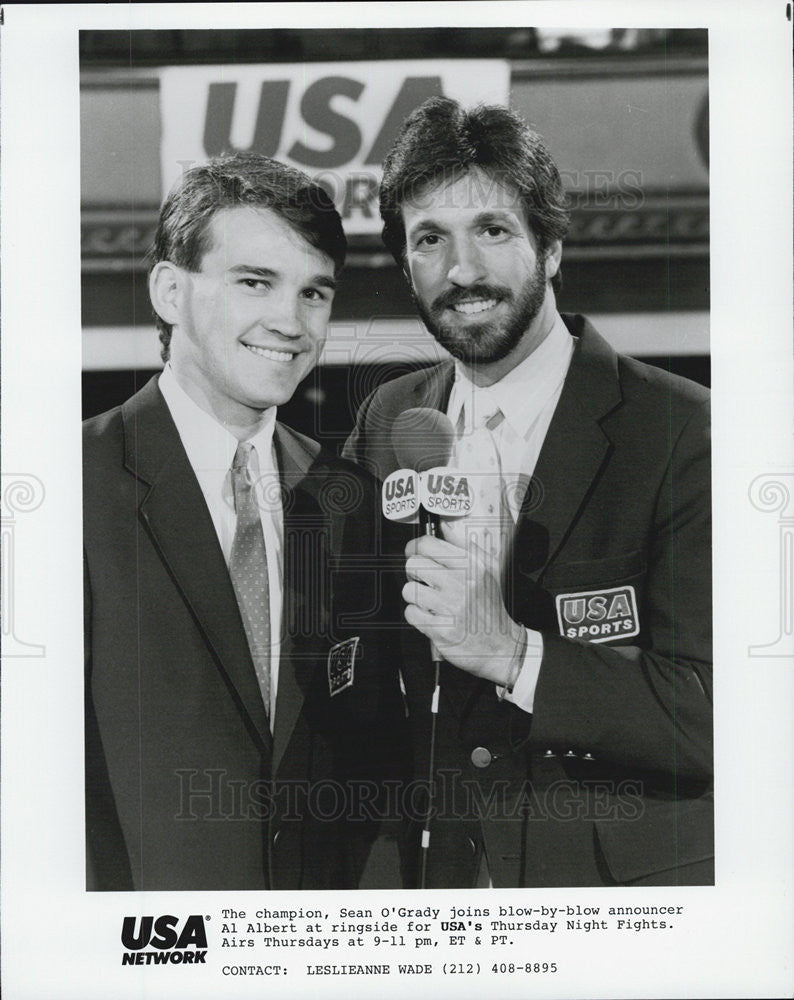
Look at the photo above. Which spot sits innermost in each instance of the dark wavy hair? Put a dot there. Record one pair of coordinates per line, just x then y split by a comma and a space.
183, 237
440, 141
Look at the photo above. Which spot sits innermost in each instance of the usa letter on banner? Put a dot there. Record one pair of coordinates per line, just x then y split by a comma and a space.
336, 121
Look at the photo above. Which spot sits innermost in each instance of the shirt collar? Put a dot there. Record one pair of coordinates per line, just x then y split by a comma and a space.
523, 392
209, 445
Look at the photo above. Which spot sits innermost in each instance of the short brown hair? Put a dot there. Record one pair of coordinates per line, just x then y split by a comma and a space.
182, 235
440, 140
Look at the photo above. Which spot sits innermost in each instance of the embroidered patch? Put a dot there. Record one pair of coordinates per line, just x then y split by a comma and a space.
341, 662
599, 615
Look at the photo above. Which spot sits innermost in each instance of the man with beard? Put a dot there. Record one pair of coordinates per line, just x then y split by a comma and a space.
572, 606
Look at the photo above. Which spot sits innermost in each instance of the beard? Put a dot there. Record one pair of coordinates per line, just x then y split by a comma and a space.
492, 340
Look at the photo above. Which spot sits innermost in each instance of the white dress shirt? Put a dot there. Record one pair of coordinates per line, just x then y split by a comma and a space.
527, 397
210, 449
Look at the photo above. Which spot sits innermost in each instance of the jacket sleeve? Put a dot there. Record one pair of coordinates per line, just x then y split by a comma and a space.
107, 862
651, 706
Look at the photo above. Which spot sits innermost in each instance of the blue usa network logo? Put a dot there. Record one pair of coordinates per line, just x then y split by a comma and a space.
170, 943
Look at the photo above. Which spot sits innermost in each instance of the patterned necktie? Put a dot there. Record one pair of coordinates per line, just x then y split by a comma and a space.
248, 569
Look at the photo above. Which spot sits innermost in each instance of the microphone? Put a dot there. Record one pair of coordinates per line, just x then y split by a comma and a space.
425, 484
423, 439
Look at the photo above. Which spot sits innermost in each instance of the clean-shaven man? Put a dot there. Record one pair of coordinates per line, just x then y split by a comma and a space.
242, 707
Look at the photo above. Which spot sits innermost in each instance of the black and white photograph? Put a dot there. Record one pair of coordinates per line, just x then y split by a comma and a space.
572, 742
381, 435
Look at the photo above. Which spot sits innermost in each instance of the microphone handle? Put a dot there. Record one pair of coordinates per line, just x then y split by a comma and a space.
430, 525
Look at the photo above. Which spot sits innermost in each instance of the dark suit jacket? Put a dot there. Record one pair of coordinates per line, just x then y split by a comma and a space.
609, 780
185, 787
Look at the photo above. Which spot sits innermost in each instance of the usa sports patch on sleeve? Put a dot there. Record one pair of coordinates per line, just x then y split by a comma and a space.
599, 615
341, 665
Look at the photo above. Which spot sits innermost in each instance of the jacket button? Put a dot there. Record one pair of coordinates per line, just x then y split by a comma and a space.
589, 756
481, 757
570, 753
472, 845
276, 835
549, 753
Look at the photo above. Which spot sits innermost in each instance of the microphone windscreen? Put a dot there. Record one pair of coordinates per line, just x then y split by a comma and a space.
422, 438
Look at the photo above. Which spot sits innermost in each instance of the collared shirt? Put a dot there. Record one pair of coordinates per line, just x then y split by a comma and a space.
210, 449
527, 397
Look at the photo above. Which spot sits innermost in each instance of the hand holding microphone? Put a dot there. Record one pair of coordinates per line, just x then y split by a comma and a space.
422, 440
453, 593
454, 597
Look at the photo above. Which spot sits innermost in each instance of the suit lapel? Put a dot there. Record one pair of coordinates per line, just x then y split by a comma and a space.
305, 555
573, 452
180, 526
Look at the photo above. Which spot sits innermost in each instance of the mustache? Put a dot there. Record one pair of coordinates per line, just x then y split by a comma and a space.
482, 291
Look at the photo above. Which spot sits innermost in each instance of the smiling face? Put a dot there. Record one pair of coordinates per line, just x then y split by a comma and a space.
480, 281
249, 324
